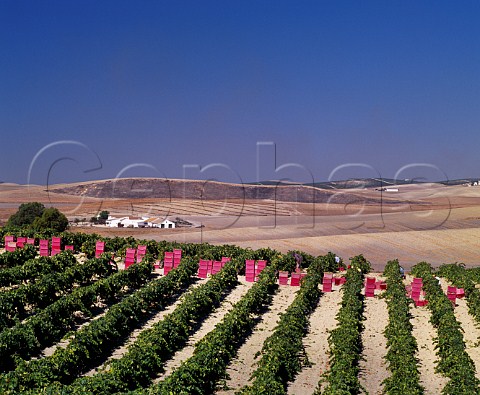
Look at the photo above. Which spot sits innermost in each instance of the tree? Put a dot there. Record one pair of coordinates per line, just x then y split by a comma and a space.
103, 215
26, 214
51, 218
101, 218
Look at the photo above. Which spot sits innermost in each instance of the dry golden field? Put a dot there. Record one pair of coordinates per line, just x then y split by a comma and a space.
430, 222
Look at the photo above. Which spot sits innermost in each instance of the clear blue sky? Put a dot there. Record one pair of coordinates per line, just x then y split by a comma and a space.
168, 83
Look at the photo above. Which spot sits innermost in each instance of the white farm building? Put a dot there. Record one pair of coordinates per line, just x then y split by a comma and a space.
113, 222
167, 224
125, 222
135, 222
160, 223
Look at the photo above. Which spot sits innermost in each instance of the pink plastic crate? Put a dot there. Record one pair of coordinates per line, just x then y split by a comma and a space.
283, 278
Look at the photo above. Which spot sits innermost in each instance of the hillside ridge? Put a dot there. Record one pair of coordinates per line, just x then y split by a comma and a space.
141, 188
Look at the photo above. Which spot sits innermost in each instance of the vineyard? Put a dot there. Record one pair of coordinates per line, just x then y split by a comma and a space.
91, 320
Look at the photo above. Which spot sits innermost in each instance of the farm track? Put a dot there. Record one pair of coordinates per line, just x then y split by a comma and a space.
242, 367
210, 322
315, 342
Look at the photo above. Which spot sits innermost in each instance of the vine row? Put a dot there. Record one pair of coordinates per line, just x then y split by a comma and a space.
33, 269
454, 361
39, 294
401, 344
466, 279
95, 340
146, 357
17, 257
345, 340
42, 330
281, 352
200, 373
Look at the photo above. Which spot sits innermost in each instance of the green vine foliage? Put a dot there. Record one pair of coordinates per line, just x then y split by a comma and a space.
17, 302
281, 355
17, 257
200, 373
464, 278
50, 292
147, 355
454, 362
33, 269
93, 341
345, 340
402, 347
28, 338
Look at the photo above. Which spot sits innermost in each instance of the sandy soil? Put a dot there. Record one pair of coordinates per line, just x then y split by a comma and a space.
424, 332
207, 326
373, 368
315, 342
242, 367
120, 351
456, 240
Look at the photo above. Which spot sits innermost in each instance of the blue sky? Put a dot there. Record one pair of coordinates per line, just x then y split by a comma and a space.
123, 88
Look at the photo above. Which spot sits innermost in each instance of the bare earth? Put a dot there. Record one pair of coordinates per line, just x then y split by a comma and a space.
431, 222
322, 320
120, 351
315, 342
206, 327
424, 332
471, 334
242, 367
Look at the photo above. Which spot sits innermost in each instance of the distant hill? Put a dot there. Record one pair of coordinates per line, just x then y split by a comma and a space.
460, 181
140, 188
319, 192
359, 183
354, 183
362, 183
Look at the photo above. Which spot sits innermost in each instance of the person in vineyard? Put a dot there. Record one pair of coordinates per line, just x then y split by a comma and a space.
298, 259
402, 271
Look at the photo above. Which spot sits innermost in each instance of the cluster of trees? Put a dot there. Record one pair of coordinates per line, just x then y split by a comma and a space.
101, 218
35, 215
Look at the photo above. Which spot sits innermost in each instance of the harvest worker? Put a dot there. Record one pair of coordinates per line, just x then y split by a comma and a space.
402, 271
298, 259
